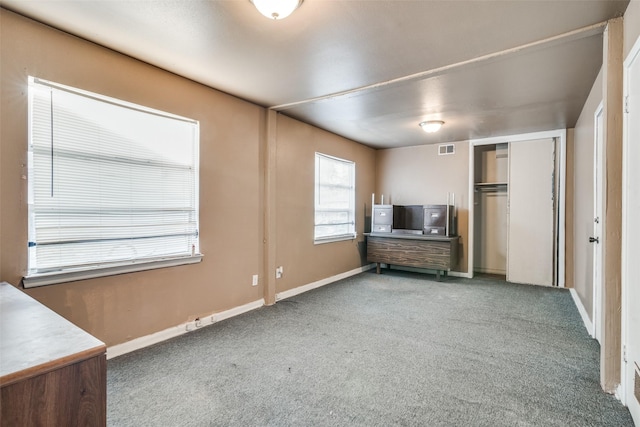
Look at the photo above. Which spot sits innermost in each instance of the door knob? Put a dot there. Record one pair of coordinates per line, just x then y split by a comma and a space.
594, 239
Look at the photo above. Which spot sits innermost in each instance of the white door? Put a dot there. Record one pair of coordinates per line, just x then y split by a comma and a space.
631, 234
596, 238
530, 216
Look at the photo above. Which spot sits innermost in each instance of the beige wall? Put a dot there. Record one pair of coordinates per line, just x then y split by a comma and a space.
302, 260
619, 38
583, 152
611, 338
569, 211
419, 176
120, 308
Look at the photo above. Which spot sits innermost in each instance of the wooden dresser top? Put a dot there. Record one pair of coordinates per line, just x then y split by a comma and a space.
35, 340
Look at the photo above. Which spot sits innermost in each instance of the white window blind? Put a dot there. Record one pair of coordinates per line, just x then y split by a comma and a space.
334, 198
110, 183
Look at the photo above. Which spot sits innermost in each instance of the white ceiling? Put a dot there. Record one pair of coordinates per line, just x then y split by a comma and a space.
369, 70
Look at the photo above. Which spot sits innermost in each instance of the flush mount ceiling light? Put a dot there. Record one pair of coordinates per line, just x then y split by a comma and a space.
276, 9
431, 125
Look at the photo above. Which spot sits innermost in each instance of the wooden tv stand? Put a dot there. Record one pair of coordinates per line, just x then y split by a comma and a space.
438, 253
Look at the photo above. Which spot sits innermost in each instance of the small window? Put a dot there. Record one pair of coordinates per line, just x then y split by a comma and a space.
110, 183
334, 199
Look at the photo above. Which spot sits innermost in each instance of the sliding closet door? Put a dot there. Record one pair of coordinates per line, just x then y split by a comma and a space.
530, 234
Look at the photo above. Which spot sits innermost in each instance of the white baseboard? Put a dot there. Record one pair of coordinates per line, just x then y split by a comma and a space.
619, 394
460, 274
582, 311
174, 331
304, 288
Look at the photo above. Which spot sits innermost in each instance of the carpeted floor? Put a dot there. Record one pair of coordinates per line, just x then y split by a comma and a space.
377, 350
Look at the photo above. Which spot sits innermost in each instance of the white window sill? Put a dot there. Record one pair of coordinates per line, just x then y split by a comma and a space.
335, 239
55, 277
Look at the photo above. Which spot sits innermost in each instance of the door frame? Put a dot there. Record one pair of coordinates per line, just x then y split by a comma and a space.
561, 159
598, 212
627, 366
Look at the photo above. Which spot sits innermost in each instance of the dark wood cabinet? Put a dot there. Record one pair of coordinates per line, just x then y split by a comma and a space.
430, 252
52, 373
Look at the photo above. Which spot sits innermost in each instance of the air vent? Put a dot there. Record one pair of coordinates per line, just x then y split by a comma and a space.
445, 149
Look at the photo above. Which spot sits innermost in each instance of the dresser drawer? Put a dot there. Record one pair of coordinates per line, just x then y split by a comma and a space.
434, 231
435, 216
382, 228
383, 216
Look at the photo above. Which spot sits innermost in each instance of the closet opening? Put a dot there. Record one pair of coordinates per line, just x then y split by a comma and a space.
490, 209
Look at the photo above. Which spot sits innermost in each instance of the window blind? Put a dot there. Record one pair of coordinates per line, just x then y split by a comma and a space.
334, 198
109, 182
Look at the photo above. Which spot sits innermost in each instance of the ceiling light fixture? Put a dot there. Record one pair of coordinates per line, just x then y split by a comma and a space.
431, 125
276, 9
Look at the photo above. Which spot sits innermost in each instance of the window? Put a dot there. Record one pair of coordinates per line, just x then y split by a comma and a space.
335, 199
113, 186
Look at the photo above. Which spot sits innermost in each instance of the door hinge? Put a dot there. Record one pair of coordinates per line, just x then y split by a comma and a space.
624, 353
626, 104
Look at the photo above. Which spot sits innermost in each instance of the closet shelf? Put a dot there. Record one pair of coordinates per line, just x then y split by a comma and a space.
488, 184
491, 186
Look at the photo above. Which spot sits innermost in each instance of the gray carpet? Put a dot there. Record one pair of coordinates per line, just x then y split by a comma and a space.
376, 350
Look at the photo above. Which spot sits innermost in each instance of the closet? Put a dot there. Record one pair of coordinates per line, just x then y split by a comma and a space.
514, 210
490, 208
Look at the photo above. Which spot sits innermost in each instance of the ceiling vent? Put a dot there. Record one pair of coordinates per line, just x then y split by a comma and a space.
444, 149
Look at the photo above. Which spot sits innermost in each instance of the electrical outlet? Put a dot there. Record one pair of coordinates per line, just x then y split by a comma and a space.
200, 322
279, 272
254, 282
